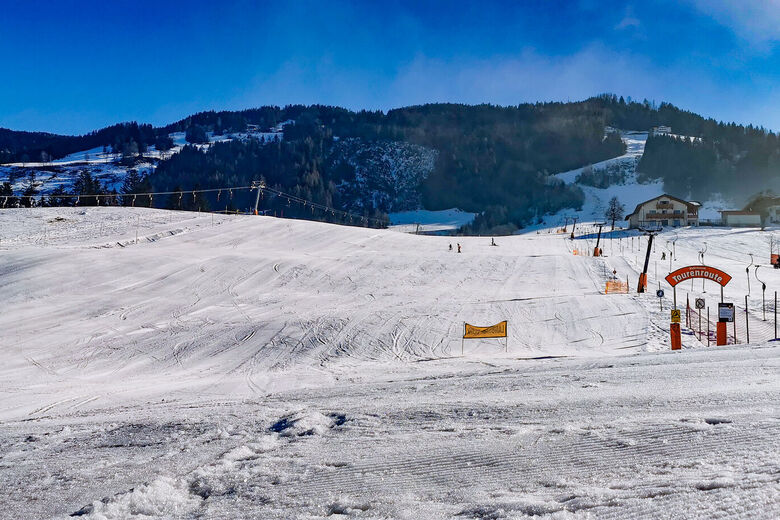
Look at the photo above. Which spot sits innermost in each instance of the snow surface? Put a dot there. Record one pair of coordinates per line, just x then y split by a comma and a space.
430, 221
253, 367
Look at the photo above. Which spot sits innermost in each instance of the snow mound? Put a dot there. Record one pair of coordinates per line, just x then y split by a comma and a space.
163, 497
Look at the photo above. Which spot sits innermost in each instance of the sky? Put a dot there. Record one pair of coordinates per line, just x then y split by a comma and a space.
76, 66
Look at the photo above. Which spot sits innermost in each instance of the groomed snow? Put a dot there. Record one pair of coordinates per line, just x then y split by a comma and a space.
269, 368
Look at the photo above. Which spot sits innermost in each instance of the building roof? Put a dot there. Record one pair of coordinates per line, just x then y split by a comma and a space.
691, 205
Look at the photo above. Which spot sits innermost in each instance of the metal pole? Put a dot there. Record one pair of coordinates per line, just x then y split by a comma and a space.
698, 311
775, 314
708, 325
763, 300
687, 311
747, 321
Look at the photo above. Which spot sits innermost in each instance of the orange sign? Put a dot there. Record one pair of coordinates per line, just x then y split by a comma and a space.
698, 271
494, 331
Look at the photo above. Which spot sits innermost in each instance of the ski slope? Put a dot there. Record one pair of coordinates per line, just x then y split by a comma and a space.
177, 365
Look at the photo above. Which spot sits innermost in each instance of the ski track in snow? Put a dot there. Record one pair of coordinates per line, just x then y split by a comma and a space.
261, 367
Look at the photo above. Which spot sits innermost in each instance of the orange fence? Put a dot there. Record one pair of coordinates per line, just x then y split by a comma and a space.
617, 287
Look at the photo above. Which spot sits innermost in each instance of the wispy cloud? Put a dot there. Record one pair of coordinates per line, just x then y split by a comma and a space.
629, 20
756, 21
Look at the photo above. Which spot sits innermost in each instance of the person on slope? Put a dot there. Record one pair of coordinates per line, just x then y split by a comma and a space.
450, 248
458, 248
493, 242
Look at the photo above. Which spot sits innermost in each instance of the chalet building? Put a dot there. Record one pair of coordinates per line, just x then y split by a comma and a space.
661, 130
740, 218
664, 211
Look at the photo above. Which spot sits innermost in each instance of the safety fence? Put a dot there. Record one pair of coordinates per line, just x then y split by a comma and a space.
747, 327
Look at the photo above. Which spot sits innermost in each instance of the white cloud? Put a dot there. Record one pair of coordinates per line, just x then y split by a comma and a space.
757, 21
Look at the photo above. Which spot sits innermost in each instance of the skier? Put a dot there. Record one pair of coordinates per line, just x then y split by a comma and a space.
458, 248
493, 242
663, 255
450, 248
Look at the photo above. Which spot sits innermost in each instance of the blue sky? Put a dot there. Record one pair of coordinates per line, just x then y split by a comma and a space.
72, 67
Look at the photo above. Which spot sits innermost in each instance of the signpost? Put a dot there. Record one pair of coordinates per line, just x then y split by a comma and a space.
660, 294
707, 273
725, 315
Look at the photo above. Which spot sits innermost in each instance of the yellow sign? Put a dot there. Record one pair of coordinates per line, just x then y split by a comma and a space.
494, 331
675, 315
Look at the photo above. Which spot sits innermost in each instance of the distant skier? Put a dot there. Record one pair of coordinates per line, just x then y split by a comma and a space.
450, 248
493, 242
663, 255
458, 248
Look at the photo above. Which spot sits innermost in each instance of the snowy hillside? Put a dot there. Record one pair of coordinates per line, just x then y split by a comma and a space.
105, 166
180, 365
628, 189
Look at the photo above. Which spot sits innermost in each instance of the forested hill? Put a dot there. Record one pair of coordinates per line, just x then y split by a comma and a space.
476, 158
497, 161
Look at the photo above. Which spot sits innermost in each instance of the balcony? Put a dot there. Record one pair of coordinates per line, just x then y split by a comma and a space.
655, 215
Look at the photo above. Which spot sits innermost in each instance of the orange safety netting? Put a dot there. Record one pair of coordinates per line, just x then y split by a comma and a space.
615, 286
